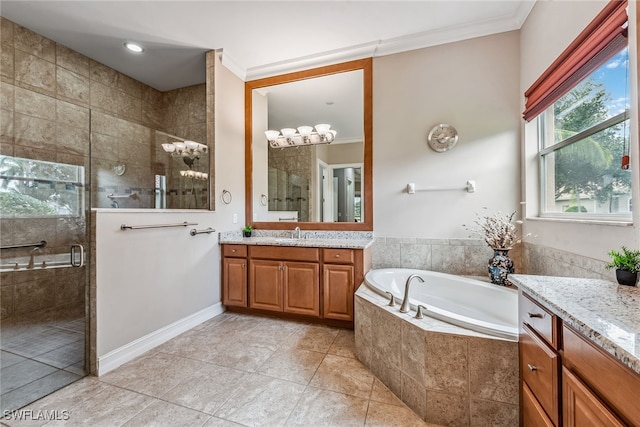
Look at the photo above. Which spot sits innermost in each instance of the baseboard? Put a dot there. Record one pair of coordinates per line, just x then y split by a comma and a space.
127, 352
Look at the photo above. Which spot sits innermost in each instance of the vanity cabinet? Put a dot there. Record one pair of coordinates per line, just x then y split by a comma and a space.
306, 282
338, 283
539, 363
284, 279
566, 379
234, 275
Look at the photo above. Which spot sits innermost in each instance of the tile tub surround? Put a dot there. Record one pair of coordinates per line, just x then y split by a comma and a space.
316, 239
237, 370
448, 375
453, 256
603, 311
546, 261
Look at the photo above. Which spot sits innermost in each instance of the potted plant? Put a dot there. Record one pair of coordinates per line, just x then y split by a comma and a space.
627, 265
247, 230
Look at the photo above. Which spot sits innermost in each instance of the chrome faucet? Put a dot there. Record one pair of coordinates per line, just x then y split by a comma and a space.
404, 308
295, 233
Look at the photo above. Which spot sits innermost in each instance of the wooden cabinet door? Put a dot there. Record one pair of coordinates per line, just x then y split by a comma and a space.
302, 288
234, 283
338, 290
265, 285
581, 408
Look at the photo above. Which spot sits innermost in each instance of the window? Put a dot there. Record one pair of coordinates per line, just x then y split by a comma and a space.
581, 105
35, 188
583, 137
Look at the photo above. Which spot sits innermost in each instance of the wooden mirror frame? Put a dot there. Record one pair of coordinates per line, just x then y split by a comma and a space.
362, 64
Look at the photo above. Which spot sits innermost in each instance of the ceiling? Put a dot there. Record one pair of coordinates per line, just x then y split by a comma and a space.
257, 38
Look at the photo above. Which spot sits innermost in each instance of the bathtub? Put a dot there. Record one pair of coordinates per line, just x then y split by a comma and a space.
464, 302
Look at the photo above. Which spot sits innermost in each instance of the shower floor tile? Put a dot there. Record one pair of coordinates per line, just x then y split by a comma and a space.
64, 356
36, 389
23, 373
40, 342
7, 359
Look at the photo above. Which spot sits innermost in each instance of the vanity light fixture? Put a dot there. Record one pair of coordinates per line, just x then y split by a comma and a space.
190, 151
194, 174
304, 135
134, 47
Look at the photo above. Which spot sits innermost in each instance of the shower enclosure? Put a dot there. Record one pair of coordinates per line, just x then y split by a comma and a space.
44, 168
49, 180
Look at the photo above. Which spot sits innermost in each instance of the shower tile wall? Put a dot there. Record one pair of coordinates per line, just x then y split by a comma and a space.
44, 116
292, 186
47, 92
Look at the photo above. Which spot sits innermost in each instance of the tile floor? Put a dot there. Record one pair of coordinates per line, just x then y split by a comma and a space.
235, 370
37, 357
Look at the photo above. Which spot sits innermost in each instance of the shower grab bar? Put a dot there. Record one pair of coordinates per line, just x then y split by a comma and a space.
40, 244
122, 196
293, 218
124, 227
207, 230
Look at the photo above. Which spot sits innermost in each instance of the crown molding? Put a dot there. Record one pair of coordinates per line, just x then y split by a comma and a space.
385, 47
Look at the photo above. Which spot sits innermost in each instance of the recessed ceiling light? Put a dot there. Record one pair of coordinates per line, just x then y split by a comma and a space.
133, 47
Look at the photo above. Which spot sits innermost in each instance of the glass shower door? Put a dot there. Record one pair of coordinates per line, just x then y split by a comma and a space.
43, 233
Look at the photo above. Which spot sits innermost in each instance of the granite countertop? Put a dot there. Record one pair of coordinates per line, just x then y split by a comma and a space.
304, 243
603, 311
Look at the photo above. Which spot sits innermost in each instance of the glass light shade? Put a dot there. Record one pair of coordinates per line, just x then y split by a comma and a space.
288, 132
297, 140
180, 146
192, 145
169, 148
322, 128
183, 173
305, 130
271, 135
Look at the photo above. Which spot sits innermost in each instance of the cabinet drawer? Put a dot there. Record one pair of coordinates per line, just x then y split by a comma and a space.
539, 319
613, 382
532, 413
539, 367
236, 251
338, 256
285, 253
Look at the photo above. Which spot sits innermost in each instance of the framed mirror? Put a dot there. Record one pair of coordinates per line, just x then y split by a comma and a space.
309, 175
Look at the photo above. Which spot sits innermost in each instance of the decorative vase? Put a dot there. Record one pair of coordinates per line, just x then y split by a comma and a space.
627, 278
500, 266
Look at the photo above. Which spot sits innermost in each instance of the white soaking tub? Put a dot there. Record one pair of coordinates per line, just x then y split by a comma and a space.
469, 303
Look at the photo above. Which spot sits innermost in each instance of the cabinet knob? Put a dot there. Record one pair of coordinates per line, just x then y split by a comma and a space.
538, 315
243, 266
531, 367
337, 256
233, 250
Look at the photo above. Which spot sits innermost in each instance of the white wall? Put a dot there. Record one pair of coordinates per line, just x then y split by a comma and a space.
472, 85
147, 280
549, 29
